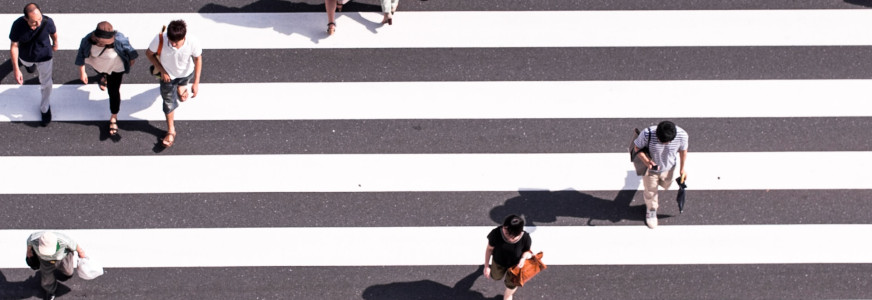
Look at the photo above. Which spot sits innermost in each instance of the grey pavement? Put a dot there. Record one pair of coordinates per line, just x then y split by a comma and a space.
401, 209
504, 64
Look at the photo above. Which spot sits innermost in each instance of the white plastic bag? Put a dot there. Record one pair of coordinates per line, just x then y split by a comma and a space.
88, 269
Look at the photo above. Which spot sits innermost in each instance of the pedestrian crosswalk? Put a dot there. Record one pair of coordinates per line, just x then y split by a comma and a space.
423, 172
376, 160
653, 28
389, 246
469, 100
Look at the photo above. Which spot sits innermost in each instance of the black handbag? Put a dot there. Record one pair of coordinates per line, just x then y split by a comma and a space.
32, 262
640, 166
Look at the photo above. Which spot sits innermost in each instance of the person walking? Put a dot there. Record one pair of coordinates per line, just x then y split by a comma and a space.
668, 148
109, 53
389, 7
332, 6
509, 245
180, 61
55, 251
34, 41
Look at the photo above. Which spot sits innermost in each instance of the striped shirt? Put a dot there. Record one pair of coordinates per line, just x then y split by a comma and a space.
664, 155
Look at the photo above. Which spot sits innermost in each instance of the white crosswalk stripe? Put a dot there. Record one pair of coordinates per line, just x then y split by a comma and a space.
426, 172
749, 243
388, 246
476, 29
468, 100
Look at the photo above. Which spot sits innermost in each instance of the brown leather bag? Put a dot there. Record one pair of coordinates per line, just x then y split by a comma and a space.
532, 266
151, 69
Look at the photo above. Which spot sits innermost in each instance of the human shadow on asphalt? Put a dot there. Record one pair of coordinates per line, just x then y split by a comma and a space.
6, 70
313, 28
126, 121
866, 3
19, 103
428, 289
546, 206
29, 288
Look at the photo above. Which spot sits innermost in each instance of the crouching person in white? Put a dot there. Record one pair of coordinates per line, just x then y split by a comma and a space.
55, 252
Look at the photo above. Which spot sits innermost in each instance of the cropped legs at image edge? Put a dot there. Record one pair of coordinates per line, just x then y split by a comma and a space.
364, 150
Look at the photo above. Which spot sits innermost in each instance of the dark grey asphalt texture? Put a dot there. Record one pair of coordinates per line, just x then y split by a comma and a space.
504, 64
719, 282
562, 208
393, 209
425, 136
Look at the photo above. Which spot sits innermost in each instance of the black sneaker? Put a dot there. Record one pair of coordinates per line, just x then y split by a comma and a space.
49, 297
30, 68
46, 118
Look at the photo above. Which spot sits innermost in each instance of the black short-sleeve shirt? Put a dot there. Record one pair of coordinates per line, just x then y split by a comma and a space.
34, 45
506, 254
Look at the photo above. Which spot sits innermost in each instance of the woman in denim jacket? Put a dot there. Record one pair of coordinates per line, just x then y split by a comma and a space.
109, 53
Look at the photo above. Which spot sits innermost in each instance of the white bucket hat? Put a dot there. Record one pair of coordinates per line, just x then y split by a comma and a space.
48, 244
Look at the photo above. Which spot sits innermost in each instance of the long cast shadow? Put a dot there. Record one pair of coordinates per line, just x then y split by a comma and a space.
29, 288
29, 78
547, 206
315, 33
866, 3
282, 6
16, 103
428, 290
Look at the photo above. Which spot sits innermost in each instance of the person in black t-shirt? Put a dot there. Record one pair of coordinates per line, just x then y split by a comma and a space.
34, 41
509, 245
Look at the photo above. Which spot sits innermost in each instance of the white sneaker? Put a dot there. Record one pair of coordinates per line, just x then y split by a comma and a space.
651, 218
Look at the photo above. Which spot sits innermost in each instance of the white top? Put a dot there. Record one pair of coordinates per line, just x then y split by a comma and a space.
664, 155
178, 62
107, 62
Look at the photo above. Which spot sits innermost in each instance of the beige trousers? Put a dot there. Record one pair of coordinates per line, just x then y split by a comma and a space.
651, 181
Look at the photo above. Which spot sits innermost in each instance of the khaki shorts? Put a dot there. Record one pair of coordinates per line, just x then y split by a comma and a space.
498, 272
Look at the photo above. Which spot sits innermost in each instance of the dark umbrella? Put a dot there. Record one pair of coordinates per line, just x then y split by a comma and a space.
681, 197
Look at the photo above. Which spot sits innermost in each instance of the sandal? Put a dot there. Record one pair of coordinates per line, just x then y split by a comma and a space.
169, 140
331, 28
102, 82
113, 127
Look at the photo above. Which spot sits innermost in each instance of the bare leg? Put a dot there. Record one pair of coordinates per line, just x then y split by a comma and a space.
170, 139
331, 15
183, 93
508, 294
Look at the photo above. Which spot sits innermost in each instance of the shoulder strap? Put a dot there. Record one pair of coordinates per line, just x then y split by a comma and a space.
35, 35
160, 39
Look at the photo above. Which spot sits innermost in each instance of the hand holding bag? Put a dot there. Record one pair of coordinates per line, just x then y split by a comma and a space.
532, 266
89, 269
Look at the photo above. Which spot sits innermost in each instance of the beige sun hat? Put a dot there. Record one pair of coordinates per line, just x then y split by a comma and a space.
48, 244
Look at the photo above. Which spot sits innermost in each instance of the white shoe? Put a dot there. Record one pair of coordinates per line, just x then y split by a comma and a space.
651, 218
